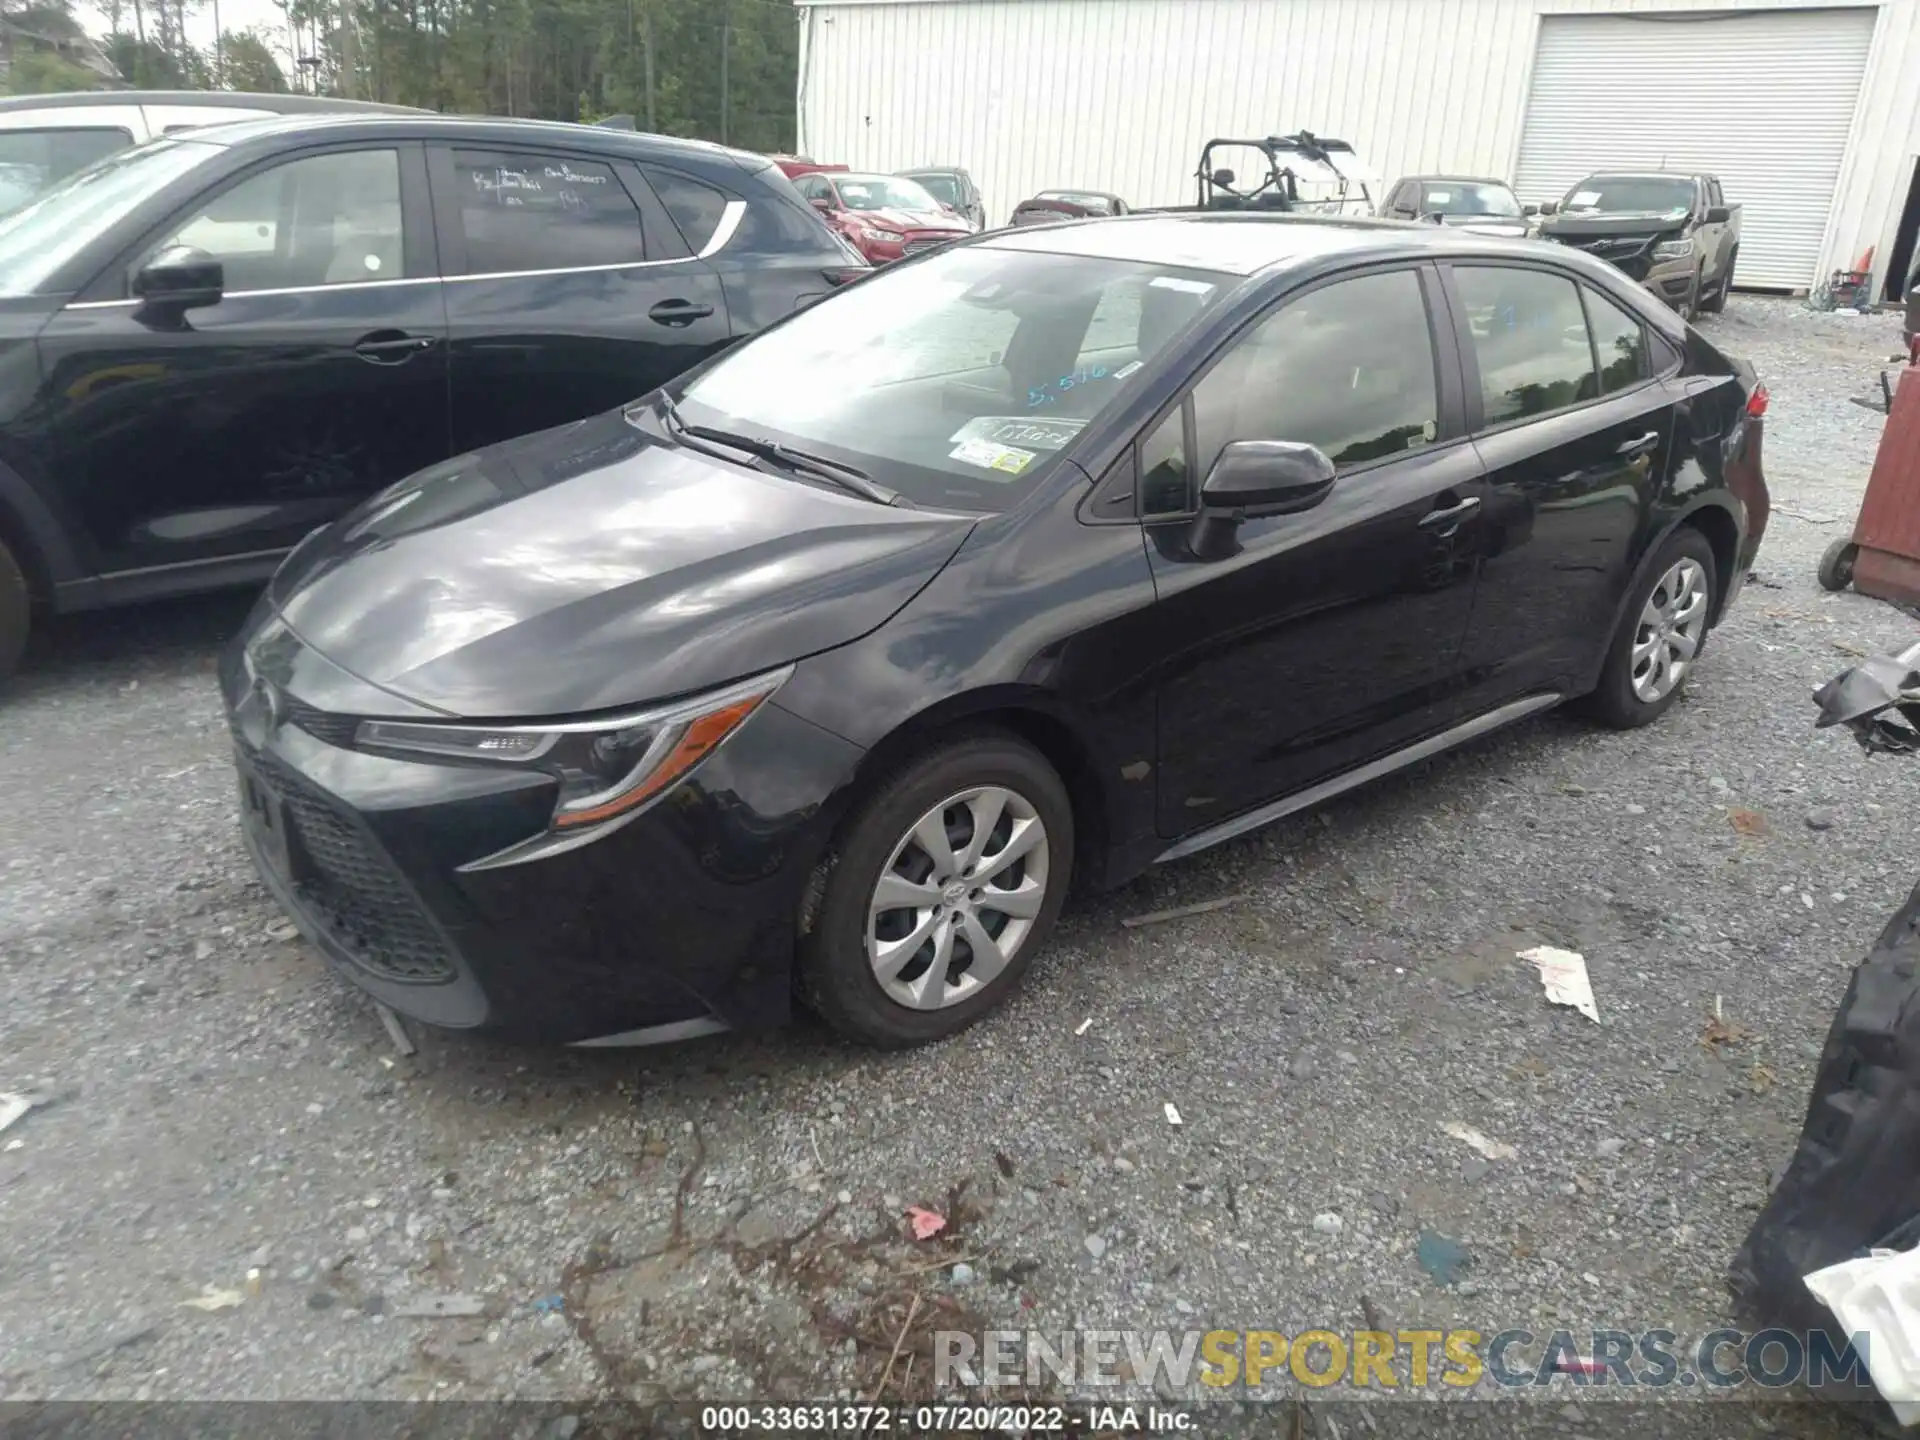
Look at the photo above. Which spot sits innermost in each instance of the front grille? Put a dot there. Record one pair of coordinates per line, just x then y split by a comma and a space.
1614, 249
352, 891
920, 247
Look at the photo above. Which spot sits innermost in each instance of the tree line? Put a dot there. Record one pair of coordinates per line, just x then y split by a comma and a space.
716, 69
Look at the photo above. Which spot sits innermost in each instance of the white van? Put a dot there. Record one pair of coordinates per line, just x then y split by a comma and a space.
44, 138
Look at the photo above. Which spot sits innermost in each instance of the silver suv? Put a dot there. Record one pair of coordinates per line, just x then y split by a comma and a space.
44, 138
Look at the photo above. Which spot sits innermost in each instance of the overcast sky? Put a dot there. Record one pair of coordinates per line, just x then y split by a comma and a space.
262, 15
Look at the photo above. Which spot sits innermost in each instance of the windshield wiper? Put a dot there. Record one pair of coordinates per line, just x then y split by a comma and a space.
786, 457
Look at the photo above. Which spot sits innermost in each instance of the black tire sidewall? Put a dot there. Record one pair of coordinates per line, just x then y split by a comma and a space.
836, 980
1613, 700
16, 613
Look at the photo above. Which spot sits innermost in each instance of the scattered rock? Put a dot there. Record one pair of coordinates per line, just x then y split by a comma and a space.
321, 1300
1096, 1245
1474, 1168
1122, 1164
356, 1234
1328, 1223
261, 1258
704, 1363
374, 1305
1821, 818
1636, 809
1718, 784
962, 1274
1302, 1067
1610, 1148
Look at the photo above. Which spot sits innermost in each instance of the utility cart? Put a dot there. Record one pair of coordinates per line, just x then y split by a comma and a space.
1882, 556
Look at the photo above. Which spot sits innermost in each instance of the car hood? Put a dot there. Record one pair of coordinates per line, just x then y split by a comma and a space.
595, 566
1487, 224
910, 220
1624, 222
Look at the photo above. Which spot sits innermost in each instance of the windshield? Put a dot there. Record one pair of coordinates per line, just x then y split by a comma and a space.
1465, 197
1650, 194
958, 379
46, 232
943, 188
31, 160
1085, 199
877, 192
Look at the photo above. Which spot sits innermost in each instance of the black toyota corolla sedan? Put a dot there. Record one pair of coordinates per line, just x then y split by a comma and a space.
825, 669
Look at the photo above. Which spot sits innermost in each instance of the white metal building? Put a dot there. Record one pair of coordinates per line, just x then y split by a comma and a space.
1809, 110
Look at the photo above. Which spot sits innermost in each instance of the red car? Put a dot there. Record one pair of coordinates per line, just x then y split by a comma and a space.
886, 217
794, 166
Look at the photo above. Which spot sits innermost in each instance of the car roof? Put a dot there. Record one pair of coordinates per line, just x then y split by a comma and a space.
1240, 243
932, 170
206, 99
1459, 180
481, 129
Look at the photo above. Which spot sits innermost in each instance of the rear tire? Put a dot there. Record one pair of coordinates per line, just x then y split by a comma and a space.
999, 833
1660, 636
16, 612
1836, 565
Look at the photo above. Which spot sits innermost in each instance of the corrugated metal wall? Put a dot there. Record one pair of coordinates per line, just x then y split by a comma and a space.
1120, 94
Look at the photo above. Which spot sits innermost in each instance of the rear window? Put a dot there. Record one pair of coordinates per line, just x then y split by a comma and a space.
696, 207
31, 160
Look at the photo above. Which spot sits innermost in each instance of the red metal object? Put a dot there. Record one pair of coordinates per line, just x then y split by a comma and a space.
1887, 533
794, 166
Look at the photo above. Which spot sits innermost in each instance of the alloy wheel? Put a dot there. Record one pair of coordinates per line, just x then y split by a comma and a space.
1672, 624
957, 898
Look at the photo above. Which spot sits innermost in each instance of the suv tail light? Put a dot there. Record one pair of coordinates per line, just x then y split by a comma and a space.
1757, 402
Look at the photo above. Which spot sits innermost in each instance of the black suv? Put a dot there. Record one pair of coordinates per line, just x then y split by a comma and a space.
213, 343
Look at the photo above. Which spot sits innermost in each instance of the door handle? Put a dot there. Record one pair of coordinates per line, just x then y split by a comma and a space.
1640, 445
1447, 517
391, 347
678, 312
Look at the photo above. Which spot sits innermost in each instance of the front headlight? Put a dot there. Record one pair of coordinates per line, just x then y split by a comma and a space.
1673, 249
607, 769
872, 236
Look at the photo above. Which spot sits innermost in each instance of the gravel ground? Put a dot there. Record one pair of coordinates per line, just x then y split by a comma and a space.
724, 1219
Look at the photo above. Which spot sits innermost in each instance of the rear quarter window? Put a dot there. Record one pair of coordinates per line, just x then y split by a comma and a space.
776, 221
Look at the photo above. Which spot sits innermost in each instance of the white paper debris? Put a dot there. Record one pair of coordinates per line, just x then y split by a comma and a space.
1879, 1296
1488, 1149
212, 1299
1173, 1115
1564, 974
1084, 1026
12, 1107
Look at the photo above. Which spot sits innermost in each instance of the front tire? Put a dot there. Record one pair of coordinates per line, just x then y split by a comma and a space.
16, 612
945, 882
1717, 301
1661, 635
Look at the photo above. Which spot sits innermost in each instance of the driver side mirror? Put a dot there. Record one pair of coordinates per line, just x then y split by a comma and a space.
180, 278
1223, 177
1529, 210
823, 205
1551, 207
1254, 478
1719, 215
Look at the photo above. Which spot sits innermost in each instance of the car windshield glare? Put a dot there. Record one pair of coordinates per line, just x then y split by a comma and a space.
1628, 193
1453, 197
876, 193
41, 236
956, 380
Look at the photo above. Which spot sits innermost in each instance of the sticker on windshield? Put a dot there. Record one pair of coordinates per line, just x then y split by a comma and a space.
989, 456
1185, 287
1128, 369
1439, 197
1017, 430
1583, 198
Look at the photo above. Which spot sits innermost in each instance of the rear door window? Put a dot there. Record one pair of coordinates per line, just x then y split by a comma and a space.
1621, 342
1529, 338
696, 207
523, 212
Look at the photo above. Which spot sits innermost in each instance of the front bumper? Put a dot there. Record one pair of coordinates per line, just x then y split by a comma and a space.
1671, 280
685, 917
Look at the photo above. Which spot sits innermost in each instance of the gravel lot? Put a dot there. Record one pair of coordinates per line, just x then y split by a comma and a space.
723, 1219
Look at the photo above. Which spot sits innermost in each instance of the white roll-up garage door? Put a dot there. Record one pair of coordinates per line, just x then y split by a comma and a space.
1761, 98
